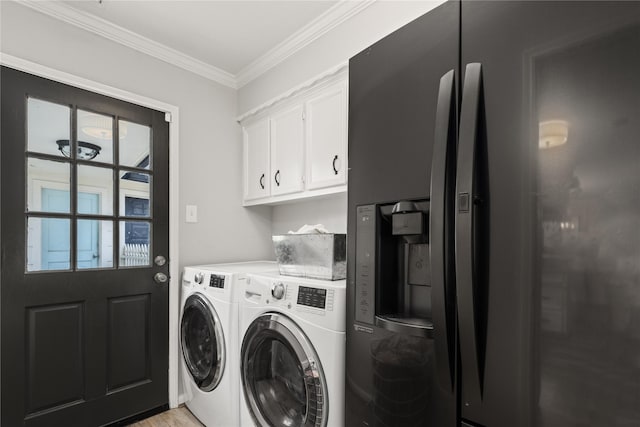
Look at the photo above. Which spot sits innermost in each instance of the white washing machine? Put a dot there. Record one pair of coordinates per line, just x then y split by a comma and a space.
292, 354
209, 340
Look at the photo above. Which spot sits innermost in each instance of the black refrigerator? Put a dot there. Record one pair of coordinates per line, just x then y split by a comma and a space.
494, 219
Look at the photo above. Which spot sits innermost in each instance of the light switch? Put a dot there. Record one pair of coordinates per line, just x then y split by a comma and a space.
192, 213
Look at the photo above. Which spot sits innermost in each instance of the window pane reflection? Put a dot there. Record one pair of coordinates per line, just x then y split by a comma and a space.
135, 146
48, 186
47, 123
135, 240
95, 137
48, 244
94, 244
135, 190
95, 190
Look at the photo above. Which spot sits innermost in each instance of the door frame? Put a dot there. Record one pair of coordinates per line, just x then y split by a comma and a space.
172, 116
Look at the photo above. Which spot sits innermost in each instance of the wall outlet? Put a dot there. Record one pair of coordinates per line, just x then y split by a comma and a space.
191, 213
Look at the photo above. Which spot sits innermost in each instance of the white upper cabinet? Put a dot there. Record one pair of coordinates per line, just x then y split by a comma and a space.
326, 137
287, 151
257, 175
296, 146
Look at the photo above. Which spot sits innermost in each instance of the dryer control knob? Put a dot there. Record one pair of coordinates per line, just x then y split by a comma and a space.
199, 278
277, 290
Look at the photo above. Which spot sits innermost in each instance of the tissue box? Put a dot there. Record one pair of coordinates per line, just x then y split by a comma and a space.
316, 256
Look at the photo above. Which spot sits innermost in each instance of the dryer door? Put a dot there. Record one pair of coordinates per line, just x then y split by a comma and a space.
283, 381
202, 342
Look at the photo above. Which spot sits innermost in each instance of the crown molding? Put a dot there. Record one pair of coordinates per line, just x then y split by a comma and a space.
130, 39
336, 15
333, 74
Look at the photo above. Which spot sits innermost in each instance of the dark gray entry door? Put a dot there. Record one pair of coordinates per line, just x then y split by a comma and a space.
84, 323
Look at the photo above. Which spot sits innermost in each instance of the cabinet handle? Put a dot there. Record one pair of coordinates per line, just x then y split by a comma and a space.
276, 177
262, 181
334, 164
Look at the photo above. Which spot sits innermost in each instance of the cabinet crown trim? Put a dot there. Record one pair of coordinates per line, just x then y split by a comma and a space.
331, 75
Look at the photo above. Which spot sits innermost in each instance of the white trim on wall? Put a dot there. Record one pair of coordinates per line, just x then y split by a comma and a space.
174, 270
326, 22
118, 34
334, 16
332, 74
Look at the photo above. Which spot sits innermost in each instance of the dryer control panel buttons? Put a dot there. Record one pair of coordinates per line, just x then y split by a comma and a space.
216, 281
312, 297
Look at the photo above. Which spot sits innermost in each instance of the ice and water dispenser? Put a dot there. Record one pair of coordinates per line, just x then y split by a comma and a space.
393, 289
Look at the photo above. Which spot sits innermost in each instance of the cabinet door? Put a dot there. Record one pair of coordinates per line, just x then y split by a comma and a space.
326, 137
256, 160
287, 145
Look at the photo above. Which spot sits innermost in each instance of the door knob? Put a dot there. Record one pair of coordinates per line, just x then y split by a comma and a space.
160, 278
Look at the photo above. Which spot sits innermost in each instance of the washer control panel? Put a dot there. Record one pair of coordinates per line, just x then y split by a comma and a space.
216, 281
312, 297
321, 302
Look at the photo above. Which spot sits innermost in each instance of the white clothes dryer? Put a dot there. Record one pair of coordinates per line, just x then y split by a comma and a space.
209, 339
292, 354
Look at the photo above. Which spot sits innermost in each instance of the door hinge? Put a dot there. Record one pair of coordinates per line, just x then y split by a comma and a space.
167, 117
304, 115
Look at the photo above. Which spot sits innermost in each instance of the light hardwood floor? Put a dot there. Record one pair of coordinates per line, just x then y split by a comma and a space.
179, 417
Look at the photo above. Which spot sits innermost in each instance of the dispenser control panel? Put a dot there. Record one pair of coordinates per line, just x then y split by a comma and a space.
312, 297
365, 263
216, 281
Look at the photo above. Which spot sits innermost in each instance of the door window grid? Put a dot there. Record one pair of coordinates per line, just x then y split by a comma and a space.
87, 222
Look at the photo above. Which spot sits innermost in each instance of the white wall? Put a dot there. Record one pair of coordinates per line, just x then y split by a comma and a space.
334, 48
331, 211
210, 141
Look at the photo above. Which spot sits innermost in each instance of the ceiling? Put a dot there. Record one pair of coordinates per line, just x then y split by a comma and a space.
231, 42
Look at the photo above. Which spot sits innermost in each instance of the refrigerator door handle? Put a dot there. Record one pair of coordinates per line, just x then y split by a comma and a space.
440, 230
469, 292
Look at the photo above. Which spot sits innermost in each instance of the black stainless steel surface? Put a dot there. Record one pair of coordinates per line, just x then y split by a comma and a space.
554, 355
283, 381
415, 326
471, 208
544, 214
588, 223
391, 376
441, 231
